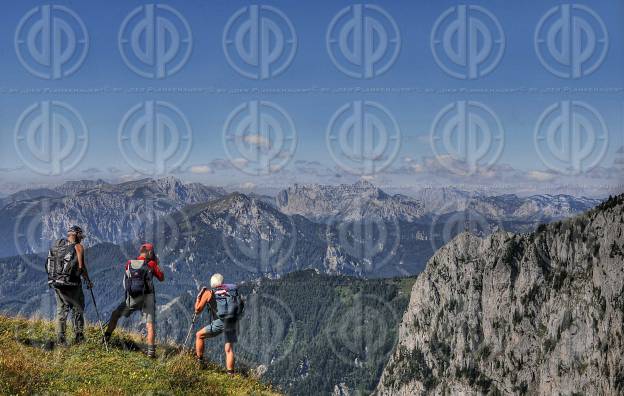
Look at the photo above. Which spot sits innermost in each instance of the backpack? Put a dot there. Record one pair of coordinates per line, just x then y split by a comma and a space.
137, 278
230, 305
62, 265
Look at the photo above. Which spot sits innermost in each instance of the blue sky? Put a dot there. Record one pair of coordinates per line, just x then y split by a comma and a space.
207, 68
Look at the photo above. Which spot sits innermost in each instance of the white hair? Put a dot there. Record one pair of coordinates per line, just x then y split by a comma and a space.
216, 280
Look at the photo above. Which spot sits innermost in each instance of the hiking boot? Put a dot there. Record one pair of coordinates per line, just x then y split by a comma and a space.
231, 372
107, 337
61, 341
79, 339
201, 362
151, 351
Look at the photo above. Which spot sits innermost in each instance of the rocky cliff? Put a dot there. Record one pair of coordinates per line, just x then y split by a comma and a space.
539, 313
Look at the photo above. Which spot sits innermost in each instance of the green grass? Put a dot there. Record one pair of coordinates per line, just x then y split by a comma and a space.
30, 364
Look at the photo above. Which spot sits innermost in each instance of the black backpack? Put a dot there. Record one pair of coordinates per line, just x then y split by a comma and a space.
62, 265
230, 305
137, 279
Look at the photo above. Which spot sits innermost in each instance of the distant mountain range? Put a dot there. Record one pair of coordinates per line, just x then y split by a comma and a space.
346, 229
114, 213
361, 200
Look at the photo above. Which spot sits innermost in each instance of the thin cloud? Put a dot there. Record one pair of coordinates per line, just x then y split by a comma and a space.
257, 140
540, 176
200, 169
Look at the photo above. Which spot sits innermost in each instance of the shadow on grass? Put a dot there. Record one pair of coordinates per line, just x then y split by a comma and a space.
46, 345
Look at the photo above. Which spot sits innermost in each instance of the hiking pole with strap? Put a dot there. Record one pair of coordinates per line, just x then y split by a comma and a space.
97, 313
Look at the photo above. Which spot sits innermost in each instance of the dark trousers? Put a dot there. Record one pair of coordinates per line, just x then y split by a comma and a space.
67, 299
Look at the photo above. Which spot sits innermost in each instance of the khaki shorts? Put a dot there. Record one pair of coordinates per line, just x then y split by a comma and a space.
145, 303
229, 328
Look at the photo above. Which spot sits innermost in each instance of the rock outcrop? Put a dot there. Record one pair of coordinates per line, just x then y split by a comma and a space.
539, 313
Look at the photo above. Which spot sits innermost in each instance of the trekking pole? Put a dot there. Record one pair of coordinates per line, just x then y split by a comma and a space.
189, 330
97, 313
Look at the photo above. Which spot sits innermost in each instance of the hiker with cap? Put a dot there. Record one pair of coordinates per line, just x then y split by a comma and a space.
226, 306
65, 265
140, 294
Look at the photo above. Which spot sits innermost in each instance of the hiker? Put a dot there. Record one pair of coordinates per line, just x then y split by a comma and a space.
65, 264
225, 303
140, 294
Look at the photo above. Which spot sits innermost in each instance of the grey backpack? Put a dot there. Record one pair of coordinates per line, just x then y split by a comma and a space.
62, 265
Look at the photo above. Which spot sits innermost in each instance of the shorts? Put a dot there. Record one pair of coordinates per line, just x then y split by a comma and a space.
145, 303
229, 328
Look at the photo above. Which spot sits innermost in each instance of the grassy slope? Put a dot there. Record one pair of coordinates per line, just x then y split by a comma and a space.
29, 365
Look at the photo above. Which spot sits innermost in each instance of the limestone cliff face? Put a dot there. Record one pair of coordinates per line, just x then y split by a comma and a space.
538, 313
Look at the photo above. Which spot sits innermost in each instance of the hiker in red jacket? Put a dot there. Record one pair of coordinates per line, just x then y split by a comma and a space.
140, 294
